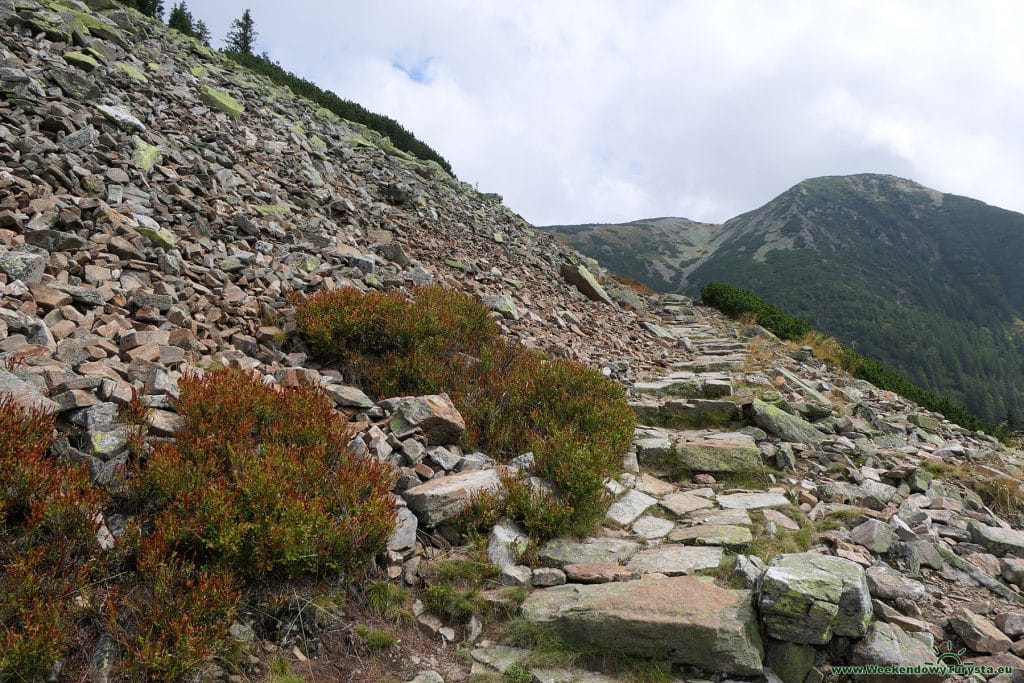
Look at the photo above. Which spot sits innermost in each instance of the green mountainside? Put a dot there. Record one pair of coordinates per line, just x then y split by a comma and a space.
929, 283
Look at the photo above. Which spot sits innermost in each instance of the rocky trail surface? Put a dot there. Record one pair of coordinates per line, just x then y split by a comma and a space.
160, 210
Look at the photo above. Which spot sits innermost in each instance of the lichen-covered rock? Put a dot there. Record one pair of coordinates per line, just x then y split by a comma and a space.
683, 620
809, 598
436, 416
219, 99
577, 274
721, 452
889, 645
787, 427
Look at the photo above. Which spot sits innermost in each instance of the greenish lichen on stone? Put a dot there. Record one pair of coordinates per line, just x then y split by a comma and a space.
145, 155
317, 143
271, 209
222, 101
308, 263
81, 59
153, 66
356, 140
199, 71
499, 237
158, 237
132, 72
298, 129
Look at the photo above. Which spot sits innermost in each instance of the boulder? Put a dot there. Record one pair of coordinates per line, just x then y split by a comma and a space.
682, 503
808, 598
505, 543
682, 620
629, 507
889, 584
404, 535
874, 535
889, 645
676, 560
980, 634
783, 425
997, 540
578, 275
723, 452
440, 499
752, 500
435, 416
789, 661
24, 394
712, 534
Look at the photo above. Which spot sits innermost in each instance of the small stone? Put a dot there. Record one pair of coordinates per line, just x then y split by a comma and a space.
544, 577
874, 535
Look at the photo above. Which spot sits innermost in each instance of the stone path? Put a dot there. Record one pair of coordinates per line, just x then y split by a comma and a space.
889, 551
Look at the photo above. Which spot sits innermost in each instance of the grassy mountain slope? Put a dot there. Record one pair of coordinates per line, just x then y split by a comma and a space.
929, 283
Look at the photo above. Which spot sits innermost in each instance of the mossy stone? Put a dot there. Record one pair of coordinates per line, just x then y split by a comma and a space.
219, 99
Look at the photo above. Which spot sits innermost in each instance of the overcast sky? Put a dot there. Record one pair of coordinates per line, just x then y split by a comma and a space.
602, 110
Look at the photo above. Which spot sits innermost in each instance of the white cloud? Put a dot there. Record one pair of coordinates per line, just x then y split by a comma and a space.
600, 111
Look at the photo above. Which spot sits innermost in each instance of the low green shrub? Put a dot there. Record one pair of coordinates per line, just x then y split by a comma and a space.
736, 302
576, 422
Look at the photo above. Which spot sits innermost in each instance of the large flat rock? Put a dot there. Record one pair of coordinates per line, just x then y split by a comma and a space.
723, 452
562, 551
712, 534
676, 560
996, 539
683, 620
752, 500
440, 499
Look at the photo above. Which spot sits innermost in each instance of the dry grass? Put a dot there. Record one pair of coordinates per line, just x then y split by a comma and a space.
760, 354
825, 348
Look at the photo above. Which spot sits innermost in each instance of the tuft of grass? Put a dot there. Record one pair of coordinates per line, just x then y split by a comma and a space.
374, 639
517, 673
576, 422
388, 601
280, 672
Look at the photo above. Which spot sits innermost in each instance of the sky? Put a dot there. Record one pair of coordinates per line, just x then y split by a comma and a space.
609, 111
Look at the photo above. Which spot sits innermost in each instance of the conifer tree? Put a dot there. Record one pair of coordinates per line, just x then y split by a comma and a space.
180, 19
242, 35
200, 31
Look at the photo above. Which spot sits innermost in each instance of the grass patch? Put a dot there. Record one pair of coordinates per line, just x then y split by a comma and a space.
374, 639
454, 585
1001, 493
388, 601
576, 422
280, 672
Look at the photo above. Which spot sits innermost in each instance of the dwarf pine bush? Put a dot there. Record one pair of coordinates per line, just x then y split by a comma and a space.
576, 422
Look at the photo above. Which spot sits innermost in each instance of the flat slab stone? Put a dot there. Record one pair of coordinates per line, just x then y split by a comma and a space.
599, 573
654, 486
996, 539
676, 560
681, 503
629, 507
562, 551
722, 452
712, 534
441, 499
753, 500
651, 527
682, 620
738, 516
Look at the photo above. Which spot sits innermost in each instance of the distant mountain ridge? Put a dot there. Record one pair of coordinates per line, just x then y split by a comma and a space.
928, 282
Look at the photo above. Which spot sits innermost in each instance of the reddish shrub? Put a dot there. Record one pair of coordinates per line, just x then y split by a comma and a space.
575, 421
48, 514
259, 481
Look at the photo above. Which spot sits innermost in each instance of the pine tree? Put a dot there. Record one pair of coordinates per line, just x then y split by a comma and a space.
242, 36
200, 31
180, 19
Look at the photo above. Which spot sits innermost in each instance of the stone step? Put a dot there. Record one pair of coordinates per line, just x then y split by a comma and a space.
712, 363
683, 619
